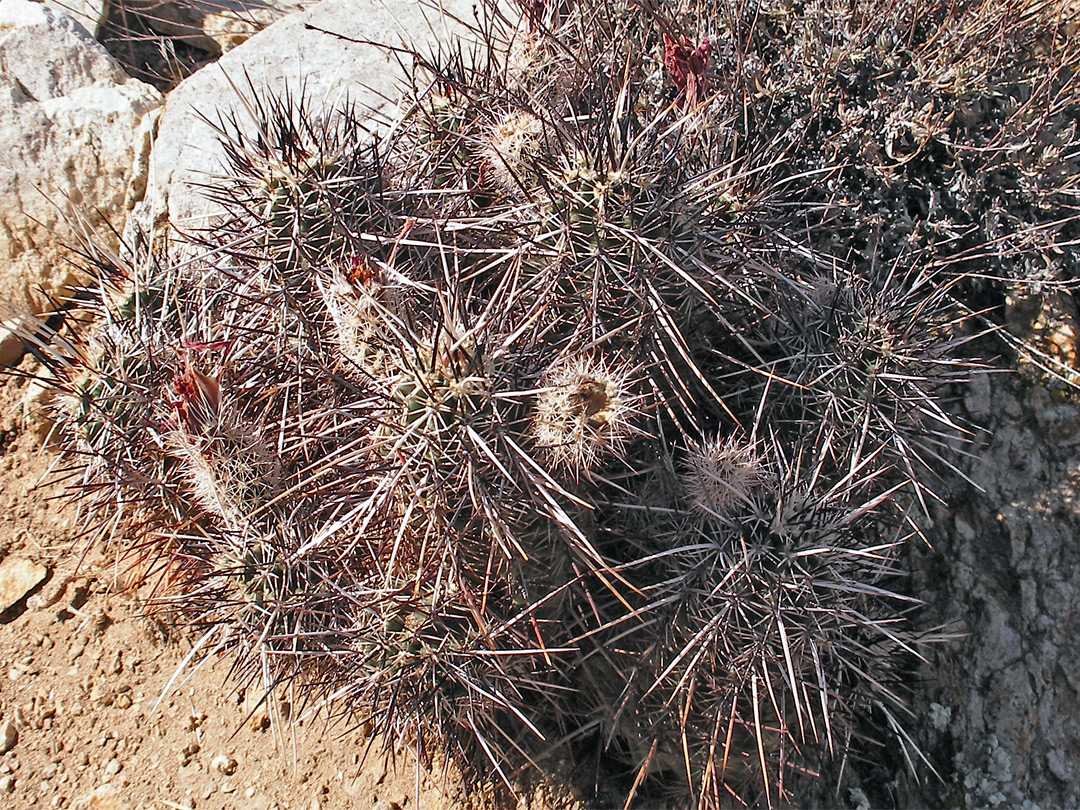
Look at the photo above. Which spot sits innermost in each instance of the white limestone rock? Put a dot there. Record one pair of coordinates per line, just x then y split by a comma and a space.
296, 52
69, 117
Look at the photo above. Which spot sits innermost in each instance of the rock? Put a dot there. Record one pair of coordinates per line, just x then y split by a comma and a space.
258, 713
68, 115
977, 395
19, 669
294, 53
105, 797
8, 736
214, 26
1010, 567
102, 696
90, 14
359, 787
1049, 325
223, 763
17, 578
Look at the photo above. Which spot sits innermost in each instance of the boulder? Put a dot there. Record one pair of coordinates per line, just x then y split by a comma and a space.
330, 52
69, 136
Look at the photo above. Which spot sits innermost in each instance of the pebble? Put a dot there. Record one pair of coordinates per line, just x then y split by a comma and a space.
21, 669
7, 783
964, 529
102, 696
113, 767
223, 763
17, 578
8, 736
123, 700
195, 721
1058, 762
260, 718
104, 797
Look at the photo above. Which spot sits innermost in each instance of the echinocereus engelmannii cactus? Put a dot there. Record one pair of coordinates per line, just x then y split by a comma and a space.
570, 411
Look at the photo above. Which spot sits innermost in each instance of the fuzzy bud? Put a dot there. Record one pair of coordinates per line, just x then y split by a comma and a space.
514, 143
721, 475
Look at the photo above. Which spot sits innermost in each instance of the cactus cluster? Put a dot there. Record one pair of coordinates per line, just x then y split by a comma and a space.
558, 414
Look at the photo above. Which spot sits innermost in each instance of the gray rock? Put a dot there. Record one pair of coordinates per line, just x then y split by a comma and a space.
90, 14
17, 578
1011, 583
68, 120
298, 52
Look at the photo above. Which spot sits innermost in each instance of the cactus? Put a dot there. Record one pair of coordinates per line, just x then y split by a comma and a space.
555, 414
